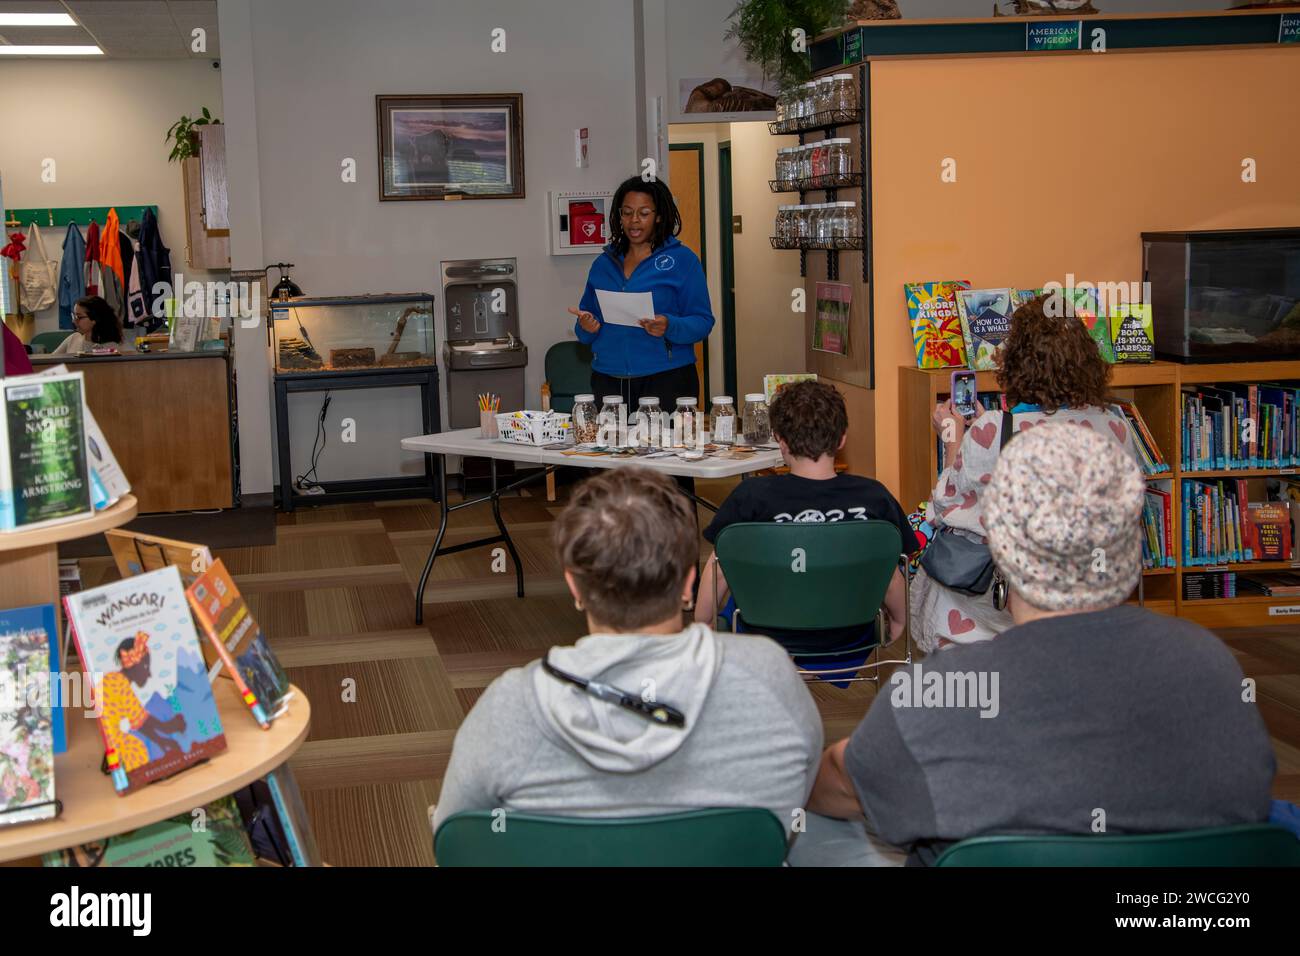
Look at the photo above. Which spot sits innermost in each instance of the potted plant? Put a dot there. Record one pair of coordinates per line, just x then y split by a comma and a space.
186, 136
763, 30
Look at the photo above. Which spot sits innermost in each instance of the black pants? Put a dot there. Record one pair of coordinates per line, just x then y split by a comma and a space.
666, 386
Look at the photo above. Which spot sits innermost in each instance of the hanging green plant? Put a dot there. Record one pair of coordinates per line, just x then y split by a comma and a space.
764, 29
186, 136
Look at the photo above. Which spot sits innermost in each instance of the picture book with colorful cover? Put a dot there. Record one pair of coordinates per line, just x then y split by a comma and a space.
831, 323
236, 642
107, 480
1081, 302
936, 323
137, 638
985, 321
44, 471
29, 721
136, 553
1131, 332
774, 383
220, 841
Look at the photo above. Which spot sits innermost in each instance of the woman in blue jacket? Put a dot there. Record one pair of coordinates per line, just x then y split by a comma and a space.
658, 358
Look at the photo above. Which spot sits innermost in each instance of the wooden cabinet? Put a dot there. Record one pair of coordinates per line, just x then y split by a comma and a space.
207, 222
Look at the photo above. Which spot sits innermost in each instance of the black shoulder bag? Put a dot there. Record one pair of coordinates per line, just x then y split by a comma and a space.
954, 560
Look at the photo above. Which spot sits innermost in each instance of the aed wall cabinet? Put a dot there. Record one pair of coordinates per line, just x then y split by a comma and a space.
578, 222
361, 489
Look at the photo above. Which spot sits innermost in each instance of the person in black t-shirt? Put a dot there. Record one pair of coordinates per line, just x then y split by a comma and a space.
809, 422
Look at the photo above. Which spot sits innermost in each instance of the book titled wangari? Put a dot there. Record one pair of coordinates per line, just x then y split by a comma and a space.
138, 644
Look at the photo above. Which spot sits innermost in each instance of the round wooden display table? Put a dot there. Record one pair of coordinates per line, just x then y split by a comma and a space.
29, 560
92, 810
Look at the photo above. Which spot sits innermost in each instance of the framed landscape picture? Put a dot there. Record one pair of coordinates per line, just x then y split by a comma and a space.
458, 146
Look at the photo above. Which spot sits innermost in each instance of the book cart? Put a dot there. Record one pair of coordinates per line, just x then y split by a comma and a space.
1155, 389
91, 809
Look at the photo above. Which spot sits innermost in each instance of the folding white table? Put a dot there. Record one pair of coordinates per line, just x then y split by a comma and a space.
467, 442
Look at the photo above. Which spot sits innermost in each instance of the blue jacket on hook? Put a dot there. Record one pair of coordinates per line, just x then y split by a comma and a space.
673, 276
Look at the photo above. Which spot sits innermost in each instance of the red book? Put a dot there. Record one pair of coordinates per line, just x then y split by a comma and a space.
1270, 530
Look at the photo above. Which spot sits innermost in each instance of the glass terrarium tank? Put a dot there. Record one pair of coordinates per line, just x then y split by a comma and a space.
352, 333
1225, 295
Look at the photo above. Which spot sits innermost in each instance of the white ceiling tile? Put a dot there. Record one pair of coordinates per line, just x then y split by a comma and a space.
31, 6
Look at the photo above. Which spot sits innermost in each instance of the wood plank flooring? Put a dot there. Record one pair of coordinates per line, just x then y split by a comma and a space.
335, 595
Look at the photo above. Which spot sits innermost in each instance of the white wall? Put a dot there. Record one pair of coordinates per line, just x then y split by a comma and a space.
317, 66
102, 122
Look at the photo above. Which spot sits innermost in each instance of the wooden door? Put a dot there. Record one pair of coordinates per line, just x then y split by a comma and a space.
686, 173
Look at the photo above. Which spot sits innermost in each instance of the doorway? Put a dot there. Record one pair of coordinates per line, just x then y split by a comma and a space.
728, 266
686, 173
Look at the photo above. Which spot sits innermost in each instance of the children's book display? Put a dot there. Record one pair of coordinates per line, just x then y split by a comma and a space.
107, 480
31, 718
985, 321
136, 553
1132, 333
159, 716
221, 840
936, 324
235, 643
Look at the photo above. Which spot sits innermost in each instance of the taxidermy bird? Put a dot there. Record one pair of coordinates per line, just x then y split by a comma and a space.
1047, 8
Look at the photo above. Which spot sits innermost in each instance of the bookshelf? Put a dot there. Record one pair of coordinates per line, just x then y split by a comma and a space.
1154, 388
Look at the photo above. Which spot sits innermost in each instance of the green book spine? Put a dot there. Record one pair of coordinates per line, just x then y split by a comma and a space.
46, 452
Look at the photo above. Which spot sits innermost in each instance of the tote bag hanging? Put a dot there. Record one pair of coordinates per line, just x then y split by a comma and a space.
40, 276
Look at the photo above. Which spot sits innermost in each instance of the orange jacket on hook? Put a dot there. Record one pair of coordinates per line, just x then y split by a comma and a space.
110, 253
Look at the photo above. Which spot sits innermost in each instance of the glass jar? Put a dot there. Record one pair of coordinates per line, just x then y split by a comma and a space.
686, 422
808, 109
852, 220
844, 91
722, 425
645, 427
586, 424
783, 165
799, 222
817, 159
839, 161
782, 106
824, 98
610, 420
784, 223
758, 430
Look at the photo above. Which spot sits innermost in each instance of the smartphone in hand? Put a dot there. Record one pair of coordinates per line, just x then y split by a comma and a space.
963, 393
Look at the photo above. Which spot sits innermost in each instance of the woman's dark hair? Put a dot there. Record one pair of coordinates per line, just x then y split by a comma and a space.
668, 221
628, 537
105, 327
1051, 361
810, 418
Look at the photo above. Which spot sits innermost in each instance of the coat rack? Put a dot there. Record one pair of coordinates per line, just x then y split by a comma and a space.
82, 215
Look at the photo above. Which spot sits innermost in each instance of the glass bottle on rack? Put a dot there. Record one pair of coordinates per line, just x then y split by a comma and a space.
586, 419
686, 421
800, 223
844, 94
840, 163
783, 107
610, 420
852, 220
824, 99
722, 424
758, 430
809, 109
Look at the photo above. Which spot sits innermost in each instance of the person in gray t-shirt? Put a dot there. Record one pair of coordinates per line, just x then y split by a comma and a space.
1088, 716
536, 743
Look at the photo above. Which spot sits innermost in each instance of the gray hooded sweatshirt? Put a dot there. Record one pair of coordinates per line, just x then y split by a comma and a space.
533, 743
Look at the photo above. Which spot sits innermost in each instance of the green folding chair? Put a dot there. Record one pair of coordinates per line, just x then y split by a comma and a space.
46, 342
796, 576
714, 837
1247, 844
568, 373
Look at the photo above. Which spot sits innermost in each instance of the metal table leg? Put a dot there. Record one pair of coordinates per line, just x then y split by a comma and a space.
501, 526
444, 511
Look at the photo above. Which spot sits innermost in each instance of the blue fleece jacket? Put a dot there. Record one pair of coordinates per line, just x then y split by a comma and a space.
673, 276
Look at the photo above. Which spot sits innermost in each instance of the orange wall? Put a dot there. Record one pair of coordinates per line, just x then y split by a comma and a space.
1062, 161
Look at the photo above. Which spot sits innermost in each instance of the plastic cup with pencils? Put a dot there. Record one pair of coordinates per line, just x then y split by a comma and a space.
488, 406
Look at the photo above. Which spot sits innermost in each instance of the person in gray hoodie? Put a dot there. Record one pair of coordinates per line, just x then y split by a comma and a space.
537, 743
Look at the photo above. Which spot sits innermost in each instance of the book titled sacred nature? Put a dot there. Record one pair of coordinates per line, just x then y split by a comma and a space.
44, 472
107, 481
137, 638
936, 324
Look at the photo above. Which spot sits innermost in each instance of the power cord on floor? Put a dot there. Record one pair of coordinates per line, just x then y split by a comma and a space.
308, 479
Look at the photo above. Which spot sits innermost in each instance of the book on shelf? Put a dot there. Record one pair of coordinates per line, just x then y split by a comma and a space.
44, 470
1268, 527
772, 384
108, 481
1209, 585
158, 714
236, 643
1215, 527
1272, 584
1131, 332
1157, 528
136, 553
175, 842
936, 324
31, 717
985, 321
1239, 426
1082, 302
1152, 459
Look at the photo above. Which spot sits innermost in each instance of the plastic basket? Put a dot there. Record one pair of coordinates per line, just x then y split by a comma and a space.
535, 428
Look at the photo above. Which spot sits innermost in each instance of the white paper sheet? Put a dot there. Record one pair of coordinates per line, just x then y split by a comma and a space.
625, 308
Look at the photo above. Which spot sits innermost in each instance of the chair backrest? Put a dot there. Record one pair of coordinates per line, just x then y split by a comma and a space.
45, 342
1248, 844
846, 570
568, 372
715, 837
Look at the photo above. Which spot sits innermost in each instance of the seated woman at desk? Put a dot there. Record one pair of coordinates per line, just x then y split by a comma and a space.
96, 325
